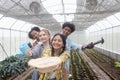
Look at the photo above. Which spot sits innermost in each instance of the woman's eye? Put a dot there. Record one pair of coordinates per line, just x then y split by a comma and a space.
54, 40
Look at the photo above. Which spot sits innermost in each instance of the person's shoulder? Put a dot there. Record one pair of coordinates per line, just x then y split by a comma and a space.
66, 52
68, 39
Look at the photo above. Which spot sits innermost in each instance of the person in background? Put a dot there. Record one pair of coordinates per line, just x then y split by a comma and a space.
36, 52
58, 48
34, 35
67, 29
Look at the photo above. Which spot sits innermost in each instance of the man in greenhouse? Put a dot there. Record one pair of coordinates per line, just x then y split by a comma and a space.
34, 34
67, 29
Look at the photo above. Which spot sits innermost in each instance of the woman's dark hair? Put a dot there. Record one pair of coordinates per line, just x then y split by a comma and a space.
34, 28
64, 43
70, 25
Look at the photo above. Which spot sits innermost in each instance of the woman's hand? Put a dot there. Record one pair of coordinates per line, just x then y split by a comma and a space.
28, 52
34, 44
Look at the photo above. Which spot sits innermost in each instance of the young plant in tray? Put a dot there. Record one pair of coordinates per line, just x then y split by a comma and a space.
13, 66
117, 64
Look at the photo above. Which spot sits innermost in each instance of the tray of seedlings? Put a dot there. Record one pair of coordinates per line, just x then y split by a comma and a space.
15, 68
79, 69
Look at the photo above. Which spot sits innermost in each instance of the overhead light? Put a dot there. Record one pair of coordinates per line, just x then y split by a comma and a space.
91, 4
35, 7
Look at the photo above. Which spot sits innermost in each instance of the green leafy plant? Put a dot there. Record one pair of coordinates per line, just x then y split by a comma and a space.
117, 64
13, 66
79, 68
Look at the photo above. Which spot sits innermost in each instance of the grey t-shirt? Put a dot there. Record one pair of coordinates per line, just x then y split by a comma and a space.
37, 51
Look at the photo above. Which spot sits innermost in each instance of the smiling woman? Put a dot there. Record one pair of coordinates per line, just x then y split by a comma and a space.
58, 43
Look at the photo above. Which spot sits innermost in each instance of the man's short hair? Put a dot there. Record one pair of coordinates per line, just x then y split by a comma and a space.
29, 35
36, 29
32, 29
70, 25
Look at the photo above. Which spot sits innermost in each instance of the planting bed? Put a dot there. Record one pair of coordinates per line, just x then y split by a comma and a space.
106, 63
79, 69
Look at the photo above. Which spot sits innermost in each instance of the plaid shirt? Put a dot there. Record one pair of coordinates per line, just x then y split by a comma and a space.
64, 56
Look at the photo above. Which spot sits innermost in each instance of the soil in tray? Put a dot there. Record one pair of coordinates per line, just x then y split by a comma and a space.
105, 63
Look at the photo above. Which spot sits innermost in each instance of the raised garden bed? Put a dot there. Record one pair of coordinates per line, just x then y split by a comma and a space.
80, 69
106, 63
15, 68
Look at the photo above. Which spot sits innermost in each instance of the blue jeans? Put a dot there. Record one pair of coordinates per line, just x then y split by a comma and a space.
35, 75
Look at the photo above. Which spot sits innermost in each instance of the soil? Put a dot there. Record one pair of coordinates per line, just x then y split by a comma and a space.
106, 63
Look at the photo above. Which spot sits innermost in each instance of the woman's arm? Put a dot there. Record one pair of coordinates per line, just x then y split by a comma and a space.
35, 52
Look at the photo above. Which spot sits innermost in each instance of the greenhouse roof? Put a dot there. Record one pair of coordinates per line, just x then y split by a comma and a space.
50, 14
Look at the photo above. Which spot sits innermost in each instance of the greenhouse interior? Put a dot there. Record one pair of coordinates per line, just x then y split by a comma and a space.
96, 31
